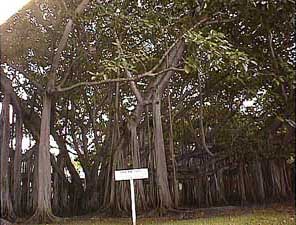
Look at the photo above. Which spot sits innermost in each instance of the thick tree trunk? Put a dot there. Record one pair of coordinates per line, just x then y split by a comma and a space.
116, 197
119, 197
135, 151
75, 189
6, 210
164, 200
242, 184
17, 193
43, 212
60, 202
91, 190
260, 181
174, 184
276, 184
218, 176
55, 193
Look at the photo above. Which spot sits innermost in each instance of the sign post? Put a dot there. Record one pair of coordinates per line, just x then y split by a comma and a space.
132, 175
133, 201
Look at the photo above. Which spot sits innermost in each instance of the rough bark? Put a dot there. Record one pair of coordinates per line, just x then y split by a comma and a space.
17, 165
116, 193
43, 213
135, 151
164, 200
260, 181
174, 185
6, 210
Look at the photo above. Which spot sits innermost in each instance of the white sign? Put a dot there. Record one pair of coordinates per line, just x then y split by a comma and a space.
131, 175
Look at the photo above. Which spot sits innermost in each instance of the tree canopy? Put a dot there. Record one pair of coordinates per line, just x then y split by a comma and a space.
193, 90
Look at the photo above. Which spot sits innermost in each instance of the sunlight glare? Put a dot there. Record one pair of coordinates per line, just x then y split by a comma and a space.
9, 8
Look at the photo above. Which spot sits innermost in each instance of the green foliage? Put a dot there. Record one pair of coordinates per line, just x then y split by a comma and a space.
211, 51
233, 52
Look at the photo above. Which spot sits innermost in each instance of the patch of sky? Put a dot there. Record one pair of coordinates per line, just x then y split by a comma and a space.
54, 149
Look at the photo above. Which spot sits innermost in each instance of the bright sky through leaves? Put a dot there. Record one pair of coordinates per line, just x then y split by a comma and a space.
10, 7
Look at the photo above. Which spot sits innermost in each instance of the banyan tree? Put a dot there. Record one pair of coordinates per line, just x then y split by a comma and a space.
198, 92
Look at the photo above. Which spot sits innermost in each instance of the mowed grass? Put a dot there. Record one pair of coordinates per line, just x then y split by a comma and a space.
261, 217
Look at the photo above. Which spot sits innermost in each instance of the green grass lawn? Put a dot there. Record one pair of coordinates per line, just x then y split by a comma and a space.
258, 217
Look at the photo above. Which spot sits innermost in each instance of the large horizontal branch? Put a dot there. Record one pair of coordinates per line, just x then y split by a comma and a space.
218, 21
115, 80
150, 73
147, 74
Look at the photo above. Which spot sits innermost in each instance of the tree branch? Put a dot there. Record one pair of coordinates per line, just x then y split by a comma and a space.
203, 138
68, 72
128, 73
62, 45
164, 56
277, 68
128, 79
